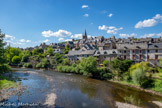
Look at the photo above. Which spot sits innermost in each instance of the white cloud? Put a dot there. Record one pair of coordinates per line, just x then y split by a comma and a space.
149, 22
160, 34
146, 23
103, 27
110, 29
127, 35
68, 40
61, 39
111, 32
9, 37
152, 35
22, 40
84, 6
86, 15
28, 41
59, 33
110, 15
77, 36
46, 40
158, 16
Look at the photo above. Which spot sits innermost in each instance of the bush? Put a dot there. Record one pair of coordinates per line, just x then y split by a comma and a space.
39, 65
106, 62
16, 59
20, 65
138, 76
4, 68
158, 85
103, 73
147, 83
25, 58
28, 65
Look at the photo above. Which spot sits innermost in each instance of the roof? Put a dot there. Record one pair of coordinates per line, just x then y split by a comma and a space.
72, 53
132, 46
105, 52
79, 52
88, 52
155, 46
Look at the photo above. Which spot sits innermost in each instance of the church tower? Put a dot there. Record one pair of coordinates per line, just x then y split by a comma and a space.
85, 35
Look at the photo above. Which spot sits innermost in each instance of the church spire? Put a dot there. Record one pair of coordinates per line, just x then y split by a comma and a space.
85, 33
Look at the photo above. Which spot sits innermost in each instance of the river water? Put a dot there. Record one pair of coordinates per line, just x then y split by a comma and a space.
64, 90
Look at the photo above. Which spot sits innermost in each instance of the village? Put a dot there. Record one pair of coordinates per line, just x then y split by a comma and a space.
141, 49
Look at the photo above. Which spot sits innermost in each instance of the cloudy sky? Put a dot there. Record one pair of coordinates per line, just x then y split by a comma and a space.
31, 22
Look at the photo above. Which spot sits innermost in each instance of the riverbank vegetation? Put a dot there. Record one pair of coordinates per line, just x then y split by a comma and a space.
124, 71
4, 67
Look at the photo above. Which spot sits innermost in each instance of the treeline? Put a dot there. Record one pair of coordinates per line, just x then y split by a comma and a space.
141, 74
37, 58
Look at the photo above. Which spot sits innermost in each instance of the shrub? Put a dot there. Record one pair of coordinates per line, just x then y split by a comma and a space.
45, 63
158, 85
138, 76
106, 62
25, 58
28, 65
39, 65
4, 68
20, 65
103, 73
16, 59
143, 65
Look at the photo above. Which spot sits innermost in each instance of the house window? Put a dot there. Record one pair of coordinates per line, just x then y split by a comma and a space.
156, 50
125, 51
105, 52
133, 51
148, 50
140, 51
156, 57
148, 57
98, 52
140, 56
124, 56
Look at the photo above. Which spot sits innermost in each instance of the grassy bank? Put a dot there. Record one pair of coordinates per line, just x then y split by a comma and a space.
6, 83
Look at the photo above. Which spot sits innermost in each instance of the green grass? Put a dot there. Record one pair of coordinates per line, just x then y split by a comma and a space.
7, 84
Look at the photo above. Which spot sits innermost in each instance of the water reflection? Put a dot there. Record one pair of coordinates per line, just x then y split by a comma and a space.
75, 91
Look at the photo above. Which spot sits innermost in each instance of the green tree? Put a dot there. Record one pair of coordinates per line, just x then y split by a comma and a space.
37, 51
138, 76
16, 59
11, 52
119, 67
106, 62
49, 51
66, 61
88, 66
67, 49
3, 62
59, 58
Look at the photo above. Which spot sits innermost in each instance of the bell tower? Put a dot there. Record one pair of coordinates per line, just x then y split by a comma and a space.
85, 35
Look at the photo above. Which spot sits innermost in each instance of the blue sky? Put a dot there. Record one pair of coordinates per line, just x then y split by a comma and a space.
31, 22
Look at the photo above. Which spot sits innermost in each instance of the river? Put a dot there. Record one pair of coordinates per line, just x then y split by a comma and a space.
64, 90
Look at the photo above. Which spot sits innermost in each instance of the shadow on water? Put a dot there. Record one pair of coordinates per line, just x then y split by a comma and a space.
62, 90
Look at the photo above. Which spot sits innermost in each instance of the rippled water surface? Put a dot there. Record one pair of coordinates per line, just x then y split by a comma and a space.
64, 90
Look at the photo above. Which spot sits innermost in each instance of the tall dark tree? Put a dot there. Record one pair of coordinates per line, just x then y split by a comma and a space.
3, 62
